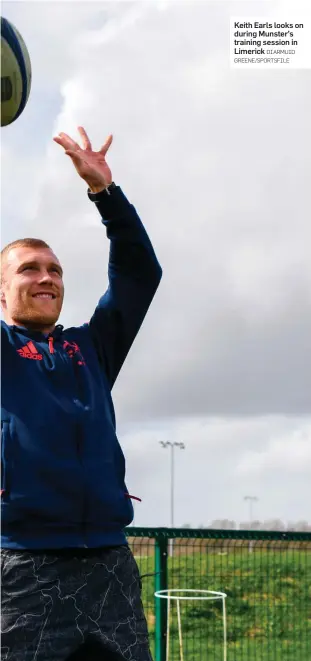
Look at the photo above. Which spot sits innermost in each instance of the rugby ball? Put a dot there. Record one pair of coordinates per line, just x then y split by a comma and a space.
15, 73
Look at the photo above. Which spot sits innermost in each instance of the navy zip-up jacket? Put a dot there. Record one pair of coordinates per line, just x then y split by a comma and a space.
62, 466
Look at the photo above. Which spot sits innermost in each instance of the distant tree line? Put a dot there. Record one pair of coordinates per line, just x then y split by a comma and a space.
270, 524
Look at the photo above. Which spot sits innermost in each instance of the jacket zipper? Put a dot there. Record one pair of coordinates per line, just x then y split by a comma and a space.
79, 451
84, 507
127, 495
51, 344
79, 439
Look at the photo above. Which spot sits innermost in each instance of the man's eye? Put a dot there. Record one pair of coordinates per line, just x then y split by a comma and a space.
28, 268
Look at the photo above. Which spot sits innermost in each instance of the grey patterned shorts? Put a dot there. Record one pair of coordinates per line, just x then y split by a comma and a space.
72, 607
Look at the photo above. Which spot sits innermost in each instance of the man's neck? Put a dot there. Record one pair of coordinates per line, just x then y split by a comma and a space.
39, 328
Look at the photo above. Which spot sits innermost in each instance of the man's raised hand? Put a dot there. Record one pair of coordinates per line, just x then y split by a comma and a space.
90, 165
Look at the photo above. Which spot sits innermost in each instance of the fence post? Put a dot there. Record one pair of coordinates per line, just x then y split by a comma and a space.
160, 604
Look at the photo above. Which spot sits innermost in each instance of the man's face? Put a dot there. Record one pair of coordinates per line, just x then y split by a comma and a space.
32, 288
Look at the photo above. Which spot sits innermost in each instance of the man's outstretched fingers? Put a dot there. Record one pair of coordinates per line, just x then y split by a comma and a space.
66, 141
103, 150
85, 138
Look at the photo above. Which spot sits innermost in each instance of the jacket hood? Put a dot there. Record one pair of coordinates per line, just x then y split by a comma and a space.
37, 335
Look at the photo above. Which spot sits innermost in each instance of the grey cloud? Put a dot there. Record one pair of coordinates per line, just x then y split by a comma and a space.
217, 162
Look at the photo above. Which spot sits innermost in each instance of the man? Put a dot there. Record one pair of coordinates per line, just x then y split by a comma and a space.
70, 584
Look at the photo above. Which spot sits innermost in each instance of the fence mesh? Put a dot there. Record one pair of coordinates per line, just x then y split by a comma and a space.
267, 579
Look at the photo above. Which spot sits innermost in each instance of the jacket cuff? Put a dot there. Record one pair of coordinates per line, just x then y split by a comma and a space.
106, 192
113, 205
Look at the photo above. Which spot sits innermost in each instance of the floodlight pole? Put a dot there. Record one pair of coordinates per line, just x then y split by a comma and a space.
172, 446
251, 499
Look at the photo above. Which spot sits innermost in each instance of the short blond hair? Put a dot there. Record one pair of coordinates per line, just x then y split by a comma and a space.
21, 243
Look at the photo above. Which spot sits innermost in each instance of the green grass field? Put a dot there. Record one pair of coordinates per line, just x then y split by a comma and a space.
268, 604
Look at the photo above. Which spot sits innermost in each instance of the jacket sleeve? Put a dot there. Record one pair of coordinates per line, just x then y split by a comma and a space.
133, 276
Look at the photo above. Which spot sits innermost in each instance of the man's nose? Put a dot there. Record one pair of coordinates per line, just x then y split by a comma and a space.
45, 277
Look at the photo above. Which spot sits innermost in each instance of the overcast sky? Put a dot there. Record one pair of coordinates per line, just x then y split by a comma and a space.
217, 162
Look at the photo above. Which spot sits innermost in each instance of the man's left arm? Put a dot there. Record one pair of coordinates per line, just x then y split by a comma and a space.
134, 274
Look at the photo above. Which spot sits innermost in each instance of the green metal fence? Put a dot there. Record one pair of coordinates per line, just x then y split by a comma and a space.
267, 579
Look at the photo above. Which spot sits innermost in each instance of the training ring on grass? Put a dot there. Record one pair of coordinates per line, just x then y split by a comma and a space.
206, 595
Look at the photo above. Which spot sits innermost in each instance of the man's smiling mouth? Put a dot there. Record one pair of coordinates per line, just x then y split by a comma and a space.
44, 295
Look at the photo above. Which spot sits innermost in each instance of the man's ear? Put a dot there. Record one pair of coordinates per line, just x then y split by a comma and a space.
2, 298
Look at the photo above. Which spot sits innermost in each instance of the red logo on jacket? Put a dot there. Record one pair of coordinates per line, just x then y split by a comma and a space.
30, 351
72, 349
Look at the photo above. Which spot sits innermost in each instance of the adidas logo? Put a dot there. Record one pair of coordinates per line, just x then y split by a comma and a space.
29, 351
